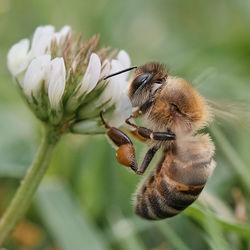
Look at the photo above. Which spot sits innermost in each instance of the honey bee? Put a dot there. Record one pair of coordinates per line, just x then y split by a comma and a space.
173, 113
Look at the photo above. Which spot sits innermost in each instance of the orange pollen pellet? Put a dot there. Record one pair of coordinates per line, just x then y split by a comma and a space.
125, 154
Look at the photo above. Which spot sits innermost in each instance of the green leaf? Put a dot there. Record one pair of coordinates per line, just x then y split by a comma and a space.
16, 144
171, 236
70, 229
198, 214
125, 232
12, 170
232, 156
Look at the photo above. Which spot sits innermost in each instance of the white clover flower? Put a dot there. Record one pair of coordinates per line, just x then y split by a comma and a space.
106, 67
35, 75
56, 77
117, 85
122, 111
91, 76
16, 58
124, 59
20, 54
62, 34
63, 80
114, 95
41, 41
113, 90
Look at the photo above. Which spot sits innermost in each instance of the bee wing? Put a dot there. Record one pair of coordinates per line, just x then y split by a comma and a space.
234, 112
231, 111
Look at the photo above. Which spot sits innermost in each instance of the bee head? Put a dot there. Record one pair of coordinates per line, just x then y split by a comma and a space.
147, 79
179, 107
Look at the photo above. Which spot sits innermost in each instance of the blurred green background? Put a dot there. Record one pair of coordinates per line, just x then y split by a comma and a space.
85, 200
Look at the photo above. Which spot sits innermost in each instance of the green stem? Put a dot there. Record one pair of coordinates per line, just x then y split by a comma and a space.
29, 184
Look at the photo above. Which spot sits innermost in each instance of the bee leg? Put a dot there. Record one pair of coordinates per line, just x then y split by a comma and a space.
143, 108
125, 153
147, 159
157, 136
134, 132
149, 134
137, 135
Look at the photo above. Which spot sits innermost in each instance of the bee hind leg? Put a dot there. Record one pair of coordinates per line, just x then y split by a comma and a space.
125, 153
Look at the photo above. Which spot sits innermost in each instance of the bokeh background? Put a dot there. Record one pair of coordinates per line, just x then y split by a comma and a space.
84, 201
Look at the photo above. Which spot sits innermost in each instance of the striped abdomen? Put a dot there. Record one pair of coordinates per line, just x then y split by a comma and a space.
162, 199
173, 185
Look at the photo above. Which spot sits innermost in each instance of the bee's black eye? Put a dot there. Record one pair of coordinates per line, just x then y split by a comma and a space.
142, 79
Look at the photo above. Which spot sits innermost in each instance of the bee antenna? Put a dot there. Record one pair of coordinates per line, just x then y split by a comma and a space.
119, 72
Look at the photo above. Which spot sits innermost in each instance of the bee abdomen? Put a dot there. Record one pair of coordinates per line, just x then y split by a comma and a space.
163, 199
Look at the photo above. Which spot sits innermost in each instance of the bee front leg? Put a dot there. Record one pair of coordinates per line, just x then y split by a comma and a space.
143, 108
125, 153
140, 111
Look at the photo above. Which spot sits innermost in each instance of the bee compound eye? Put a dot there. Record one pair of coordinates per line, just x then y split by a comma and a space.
143, 79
